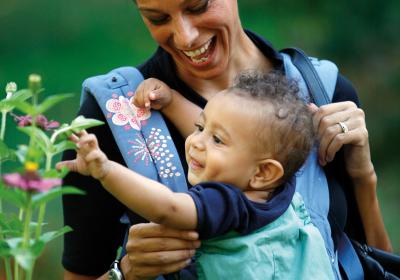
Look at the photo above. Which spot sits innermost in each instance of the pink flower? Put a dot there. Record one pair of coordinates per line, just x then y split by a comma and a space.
41, 122
30, 181
125, 113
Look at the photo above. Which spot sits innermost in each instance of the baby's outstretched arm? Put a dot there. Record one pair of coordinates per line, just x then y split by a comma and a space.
146, 197
90, 160
155, 94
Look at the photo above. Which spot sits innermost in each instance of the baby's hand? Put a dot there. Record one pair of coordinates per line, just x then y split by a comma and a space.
152, 93
90, 160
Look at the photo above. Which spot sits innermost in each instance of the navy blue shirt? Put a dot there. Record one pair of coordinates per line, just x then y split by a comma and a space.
222, 208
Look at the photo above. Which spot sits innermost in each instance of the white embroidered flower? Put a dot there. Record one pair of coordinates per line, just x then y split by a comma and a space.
126, 113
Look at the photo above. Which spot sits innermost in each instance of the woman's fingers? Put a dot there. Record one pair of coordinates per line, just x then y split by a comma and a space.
338, 124
160, 258
149, 230
156, 244
155, 249
329, 113
144, 272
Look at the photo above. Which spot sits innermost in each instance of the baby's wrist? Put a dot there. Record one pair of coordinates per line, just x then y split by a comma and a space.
106, 170
168, 103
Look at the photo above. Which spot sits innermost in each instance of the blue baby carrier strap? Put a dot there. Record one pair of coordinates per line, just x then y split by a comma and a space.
141, 135
318, 79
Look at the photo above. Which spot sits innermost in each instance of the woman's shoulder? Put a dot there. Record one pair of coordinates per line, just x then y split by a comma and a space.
345, 91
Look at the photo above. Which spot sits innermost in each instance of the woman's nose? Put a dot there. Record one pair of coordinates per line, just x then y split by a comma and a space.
185, 33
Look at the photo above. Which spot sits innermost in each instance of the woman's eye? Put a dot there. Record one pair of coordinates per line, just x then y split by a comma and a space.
201, 7
217, 140
158, 21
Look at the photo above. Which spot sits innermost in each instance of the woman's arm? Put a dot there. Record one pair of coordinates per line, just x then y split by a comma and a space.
357, 156
368, 205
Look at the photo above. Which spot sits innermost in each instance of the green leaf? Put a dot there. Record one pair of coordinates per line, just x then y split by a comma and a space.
23, 106
81, 122
21, 95
10, 225
25, 257
13, 195
38, 135
6, 153
21, 153
5, 250
63, 146
78, 124
37, 247
39, 198
48, 236
55, 173
51, 101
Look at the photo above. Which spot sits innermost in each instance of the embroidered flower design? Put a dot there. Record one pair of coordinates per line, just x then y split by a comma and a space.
125, 113
155, 149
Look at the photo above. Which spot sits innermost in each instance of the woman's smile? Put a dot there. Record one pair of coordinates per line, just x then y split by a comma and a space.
202, 55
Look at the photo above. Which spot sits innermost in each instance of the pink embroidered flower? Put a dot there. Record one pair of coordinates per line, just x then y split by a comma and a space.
41, 121
126, 113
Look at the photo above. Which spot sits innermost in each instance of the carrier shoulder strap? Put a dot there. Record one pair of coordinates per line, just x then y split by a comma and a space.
141, 135
317, 83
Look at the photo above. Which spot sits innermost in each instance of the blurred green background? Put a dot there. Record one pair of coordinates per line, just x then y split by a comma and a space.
67, 41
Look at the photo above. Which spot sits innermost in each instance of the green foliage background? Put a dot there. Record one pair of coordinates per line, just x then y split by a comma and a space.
67, 41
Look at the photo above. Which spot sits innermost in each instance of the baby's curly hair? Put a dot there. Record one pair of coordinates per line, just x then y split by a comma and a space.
287, 132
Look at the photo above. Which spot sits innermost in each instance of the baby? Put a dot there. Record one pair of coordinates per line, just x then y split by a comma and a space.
248, 143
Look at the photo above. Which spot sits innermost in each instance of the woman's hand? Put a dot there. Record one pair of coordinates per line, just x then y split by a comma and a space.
332, 137
153, 250
340, 125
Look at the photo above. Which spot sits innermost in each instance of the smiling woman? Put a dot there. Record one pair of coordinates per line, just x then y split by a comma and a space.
202, 48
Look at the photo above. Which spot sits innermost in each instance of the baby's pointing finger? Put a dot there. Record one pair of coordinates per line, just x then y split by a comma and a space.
88, 139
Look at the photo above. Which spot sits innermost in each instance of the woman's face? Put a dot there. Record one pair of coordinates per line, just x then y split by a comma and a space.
200, 35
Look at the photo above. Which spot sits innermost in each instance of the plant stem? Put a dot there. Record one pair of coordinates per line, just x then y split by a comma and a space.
42, 210
7, 265
16, 270
2, 133
49, 158
3, 124
28, 217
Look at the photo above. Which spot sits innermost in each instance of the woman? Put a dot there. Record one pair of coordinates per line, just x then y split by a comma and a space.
202, 48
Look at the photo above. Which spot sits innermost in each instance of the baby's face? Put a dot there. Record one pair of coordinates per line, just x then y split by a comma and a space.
223, 146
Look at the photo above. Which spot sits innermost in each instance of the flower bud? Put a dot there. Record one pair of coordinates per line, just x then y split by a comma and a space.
11, 88
35, 82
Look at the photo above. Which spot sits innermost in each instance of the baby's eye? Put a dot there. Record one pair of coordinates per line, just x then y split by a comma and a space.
199, 127
217, 140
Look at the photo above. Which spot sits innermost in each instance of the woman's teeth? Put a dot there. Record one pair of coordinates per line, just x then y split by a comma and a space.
198, 52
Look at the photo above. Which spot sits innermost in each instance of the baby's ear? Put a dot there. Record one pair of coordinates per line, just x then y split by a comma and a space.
267, 175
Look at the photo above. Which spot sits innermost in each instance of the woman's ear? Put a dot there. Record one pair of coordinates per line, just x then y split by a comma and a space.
268, 173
